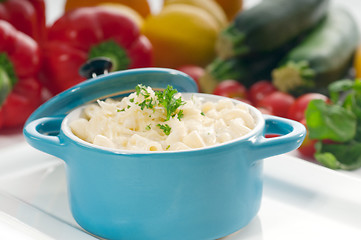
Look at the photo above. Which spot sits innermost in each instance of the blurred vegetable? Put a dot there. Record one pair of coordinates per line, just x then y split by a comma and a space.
278, 103
231, 7
357, 62
20, 90
339, 122
27, 16
330, 121
260, 90
269, 25
211, 6
345, 156
195, 72
232, 89
126, 10
182, 34
219, 70
89, 32
307, 148
141, 6
324, 56
246, 70
297, 110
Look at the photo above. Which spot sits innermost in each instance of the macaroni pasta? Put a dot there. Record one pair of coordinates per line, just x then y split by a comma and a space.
142, 121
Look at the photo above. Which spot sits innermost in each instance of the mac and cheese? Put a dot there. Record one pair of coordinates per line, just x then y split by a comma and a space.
161, 121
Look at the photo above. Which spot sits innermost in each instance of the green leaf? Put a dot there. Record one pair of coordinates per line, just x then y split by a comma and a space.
325, 121
356, 109
341, 122
328, 160
350, 98
336, 88
341, 85
345, 156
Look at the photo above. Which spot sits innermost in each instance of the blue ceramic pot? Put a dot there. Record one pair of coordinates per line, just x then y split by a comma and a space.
196, 194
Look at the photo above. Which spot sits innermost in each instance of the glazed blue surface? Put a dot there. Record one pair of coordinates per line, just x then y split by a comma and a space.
199, 194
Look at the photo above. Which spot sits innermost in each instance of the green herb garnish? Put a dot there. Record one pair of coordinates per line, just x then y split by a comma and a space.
138, 89
142, 90
147, 103
180, 114
165, 127
167, 99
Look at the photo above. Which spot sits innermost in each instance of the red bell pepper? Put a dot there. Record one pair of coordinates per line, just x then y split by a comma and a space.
89, 32
20, 90
27, 16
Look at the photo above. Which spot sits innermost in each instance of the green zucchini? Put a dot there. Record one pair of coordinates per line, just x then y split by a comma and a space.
269, 25
246, 71
324, 56
222, 69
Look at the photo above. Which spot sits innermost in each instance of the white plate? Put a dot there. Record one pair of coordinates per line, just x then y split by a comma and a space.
301, 200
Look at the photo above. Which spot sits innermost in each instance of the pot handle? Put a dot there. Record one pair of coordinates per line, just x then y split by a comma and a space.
291, 133
43, 134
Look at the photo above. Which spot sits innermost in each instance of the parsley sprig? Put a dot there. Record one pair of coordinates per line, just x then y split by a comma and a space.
148, 101
165, 127
165, 99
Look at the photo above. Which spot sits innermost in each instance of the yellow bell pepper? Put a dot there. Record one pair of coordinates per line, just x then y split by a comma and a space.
181, 34
128, 11
211, 6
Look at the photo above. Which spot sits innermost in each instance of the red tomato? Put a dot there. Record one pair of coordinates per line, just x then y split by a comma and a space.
307, 148
278, 103
232, 89
297, 110
259, 90
193, 71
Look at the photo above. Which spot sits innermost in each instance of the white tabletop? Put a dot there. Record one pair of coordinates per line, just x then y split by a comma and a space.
301, 200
